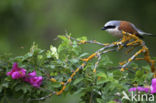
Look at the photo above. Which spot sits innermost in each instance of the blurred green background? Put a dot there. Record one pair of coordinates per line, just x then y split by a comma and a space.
24, 21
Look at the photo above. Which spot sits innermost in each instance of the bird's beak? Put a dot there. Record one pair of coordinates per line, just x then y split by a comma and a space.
103, 28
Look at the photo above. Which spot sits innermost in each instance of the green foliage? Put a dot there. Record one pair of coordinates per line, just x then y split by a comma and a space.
59, 63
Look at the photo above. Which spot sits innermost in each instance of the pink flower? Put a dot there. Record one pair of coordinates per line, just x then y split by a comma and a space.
32, 74
16, 72
132, 89
153, 86
33, 79
139, 88
36, 81
146, 90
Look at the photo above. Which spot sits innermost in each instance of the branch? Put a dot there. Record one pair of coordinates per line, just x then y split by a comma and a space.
128, 40
84, 41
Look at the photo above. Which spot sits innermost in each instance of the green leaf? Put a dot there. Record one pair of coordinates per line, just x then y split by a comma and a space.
1, 88
79, 91
40, 57
105, 60
82, 55
101, 74
102, 78
55, 84
111, 102
82, 38
74, 61
5, 85
63, 38
52, 52
99, 100
78, 80
139, 73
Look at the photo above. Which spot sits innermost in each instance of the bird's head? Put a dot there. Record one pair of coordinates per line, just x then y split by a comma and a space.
112, 27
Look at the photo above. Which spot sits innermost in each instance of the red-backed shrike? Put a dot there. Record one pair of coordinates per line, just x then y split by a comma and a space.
115, 27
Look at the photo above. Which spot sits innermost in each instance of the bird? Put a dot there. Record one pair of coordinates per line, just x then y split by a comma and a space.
115, 27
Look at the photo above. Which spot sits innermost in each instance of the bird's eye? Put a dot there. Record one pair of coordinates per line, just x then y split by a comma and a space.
110, 27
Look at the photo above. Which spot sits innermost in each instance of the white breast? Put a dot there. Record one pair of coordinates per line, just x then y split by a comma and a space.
115, 32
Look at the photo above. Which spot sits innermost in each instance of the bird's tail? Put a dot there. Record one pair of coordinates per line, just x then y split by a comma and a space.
148, 34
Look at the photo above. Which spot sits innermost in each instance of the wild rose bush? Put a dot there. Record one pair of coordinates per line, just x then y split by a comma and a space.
27, 77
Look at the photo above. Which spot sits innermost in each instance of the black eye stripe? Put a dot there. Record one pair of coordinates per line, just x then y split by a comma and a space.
109, 27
